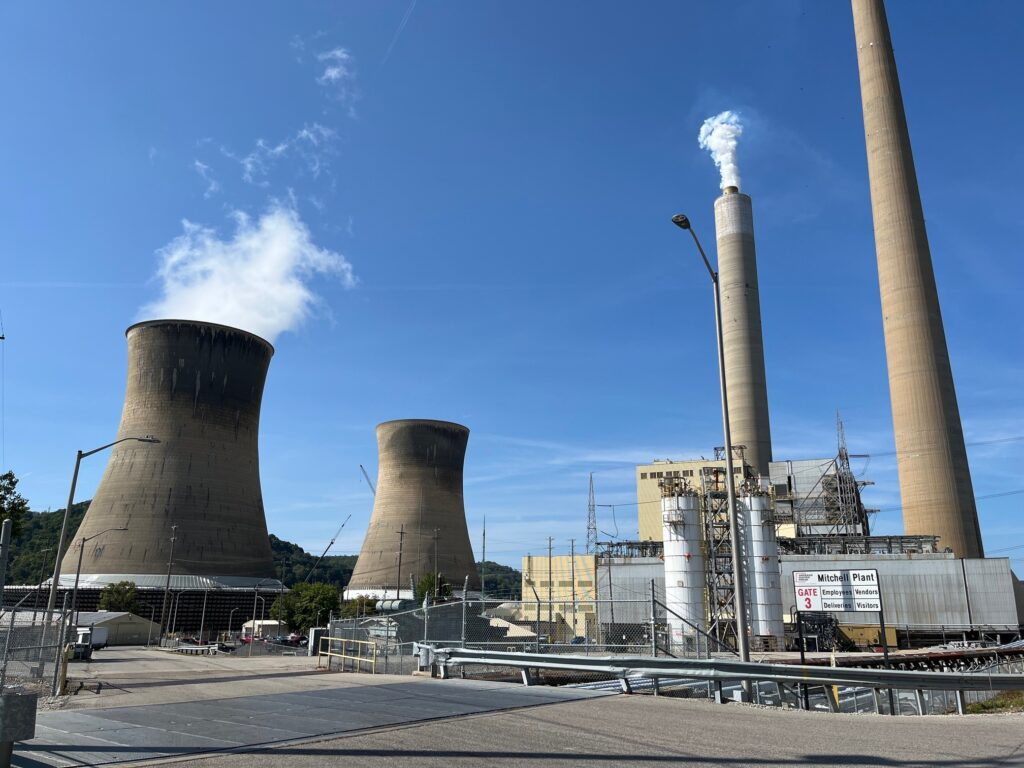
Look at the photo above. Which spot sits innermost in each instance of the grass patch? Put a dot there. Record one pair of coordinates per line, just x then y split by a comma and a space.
1007, 701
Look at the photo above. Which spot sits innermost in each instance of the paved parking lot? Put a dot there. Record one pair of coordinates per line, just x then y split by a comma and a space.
127, 734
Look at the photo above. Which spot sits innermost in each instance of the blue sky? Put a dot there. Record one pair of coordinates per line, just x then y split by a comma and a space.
497, 180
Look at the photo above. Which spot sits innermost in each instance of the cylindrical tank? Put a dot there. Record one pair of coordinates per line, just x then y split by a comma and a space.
762, 566
685, 577
197, 388
741, 328
418, 510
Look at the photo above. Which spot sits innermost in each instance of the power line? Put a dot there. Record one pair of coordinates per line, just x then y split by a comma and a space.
1005, 549
1013, 439
983, 497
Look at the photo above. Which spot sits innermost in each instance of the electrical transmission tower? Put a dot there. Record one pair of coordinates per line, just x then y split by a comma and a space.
591, 519
851, 510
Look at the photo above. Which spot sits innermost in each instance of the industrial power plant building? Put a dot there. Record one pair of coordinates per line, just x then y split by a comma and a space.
812, 496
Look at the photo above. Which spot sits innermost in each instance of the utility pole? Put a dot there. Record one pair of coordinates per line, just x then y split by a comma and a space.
550, 590
167, 586
572, 571
436, 577
591, 519
398, 578
483, 564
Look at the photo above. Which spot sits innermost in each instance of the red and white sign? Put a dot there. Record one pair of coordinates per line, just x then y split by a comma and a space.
857, 591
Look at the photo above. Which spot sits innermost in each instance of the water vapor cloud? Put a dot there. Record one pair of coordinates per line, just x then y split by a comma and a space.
719, 135
258, 279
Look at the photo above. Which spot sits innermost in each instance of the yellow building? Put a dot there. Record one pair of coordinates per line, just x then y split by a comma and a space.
648, 492
565, 589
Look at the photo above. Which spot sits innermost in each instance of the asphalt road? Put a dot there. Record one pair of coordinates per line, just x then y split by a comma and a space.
162, 707
643, 730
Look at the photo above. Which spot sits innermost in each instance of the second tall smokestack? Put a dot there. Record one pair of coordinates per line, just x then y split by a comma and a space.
935, 478
741, 328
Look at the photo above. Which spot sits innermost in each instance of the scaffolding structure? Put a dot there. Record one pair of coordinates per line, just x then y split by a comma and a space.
721, 585
832, 506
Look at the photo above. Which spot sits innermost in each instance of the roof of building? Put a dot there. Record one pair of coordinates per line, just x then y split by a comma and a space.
86, 618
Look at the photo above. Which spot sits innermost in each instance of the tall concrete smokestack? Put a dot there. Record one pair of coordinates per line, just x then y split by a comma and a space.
741, 328
935, 479
197, 388
418, 510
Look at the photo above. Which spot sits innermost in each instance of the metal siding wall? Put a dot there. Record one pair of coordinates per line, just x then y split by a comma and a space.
918, 590
631, 588
990, 587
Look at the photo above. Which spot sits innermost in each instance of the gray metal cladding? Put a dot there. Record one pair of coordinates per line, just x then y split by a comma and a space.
418, 500
923, 589
197, 387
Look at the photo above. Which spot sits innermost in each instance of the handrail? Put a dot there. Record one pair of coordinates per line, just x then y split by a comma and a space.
726, 669
344, 653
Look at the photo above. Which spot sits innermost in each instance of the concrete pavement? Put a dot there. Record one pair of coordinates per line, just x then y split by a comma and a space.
158, 708
644, 730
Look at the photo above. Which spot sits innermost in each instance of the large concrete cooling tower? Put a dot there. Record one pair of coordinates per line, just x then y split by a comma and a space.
418, 512
935, 480
197, 388
741, 328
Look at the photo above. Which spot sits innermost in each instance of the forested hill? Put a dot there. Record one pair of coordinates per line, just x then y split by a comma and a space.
33, 550
292, 564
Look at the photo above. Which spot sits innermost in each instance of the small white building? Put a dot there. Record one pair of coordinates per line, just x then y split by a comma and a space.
123, 628
264, 628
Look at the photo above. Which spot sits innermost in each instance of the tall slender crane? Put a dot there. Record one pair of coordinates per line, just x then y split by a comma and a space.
324, 554
368, 481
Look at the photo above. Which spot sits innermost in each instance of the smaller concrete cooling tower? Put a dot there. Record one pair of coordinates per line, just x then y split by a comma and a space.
741, 328
196, 387
418, 505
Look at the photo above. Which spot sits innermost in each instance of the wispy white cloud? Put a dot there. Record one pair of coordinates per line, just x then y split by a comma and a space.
312, 146
258, 279
338, 76
298, 45
212, 187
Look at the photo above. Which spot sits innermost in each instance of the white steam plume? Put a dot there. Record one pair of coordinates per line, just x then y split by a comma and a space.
718, 136
256, 280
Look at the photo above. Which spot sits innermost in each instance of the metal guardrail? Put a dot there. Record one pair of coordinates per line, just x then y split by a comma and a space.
359, 652
725, 669
200, 650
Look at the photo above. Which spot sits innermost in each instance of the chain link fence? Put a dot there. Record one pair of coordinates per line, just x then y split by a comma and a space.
33, 650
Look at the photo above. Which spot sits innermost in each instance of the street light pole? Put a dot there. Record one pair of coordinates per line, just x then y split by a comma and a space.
202, 619
52, 600
739, 588
167, 584
255, 597
39, 584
